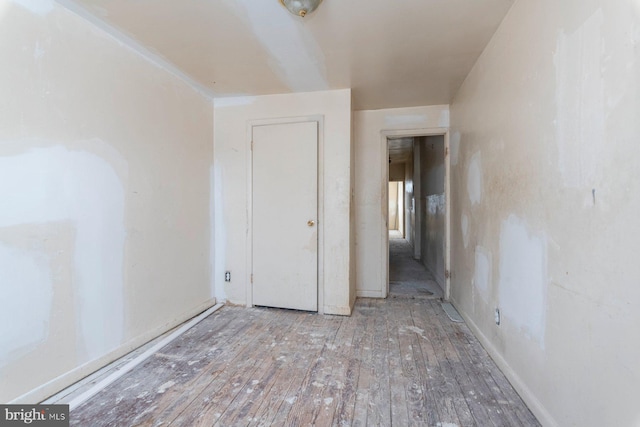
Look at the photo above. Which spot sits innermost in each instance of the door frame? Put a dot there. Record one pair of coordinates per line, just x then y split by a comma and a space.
319, 119
384, 147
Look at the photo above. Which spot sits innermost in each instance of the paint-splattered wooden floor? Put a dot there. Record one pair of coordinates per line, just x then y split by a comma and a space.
393, 362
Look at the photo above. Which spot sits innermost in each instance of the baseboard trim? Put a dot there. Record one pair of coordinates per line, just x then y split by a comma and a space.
337, 310
140, 359
518, 384
369, 294
69, 378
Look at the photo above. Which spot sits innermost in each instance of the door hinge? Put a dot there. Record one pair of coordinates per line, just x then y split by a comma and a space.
251, 145
251, 278
447, 274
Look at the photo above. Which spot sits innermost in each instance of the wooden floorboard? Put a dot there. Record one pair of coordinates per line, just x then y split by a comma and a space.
367, 310
397, 362
306, 348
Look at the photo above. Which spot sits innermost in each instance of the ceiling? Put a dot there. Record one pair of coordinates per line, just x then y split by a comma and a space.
400, 150
398, 53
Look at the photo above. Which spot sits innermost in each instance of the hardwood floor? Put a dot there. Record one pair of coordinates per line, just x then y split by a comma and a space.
397, 362
408, 277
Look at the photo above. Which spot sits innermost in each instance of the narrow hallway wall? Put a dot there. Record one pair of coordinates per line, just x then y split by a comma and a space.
408, 201
545, 180
432, 202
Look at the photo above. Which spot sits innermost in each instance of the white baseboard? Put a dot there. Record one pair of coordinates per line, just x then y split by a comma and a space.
65, 380
141, 358
337, 310
518, 384
370, 294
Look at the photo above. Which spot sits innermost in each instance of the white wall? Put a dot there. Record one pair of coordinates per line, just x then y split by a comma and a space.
393, 205
545, 183
400, 191
408, 200
104, 199
371, 163
417, 190
233, 117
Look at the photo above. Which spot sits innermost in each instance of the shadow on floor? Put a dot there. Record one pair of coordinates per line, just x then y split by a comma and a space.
408, 278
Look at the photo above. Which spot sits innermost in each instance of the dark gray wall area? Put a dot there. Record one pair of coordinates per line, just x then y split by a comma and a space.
432, 203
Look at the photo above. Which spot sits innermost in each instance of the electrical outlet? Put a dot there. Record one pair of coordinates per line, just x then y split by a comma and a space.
497, 315
227, 276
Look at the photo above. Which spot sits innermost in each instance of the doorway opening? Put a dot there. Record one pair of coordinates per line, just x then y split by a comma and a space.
417, 216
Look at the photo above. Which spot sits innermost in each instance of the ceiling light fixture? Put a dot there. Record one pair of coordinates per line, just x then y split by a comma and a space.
301, 7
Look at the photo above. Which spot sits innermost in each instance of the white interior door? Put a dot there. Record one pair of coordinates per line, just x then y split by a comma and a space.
285, 215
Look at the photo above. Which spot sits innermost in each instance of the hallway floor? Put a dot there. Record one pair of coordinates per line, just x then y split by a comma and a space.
395, 362
408, 278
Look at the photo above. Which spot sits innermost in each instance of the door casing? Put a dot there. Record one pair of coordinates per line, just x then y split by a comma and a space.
384, 231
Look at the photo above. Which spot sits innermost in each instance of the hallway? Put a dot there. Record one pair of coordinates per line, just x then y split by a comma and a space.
408, 278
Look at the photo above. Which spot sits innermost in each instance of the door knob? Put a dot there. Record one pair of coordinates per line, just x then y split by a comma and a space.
311, 223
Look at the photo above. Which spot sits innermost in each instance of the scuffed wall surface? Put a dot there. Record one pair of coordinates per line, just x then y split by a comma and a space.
409, 213
396, 171
104, 198
371, 180
233, 120
545, 185
352, 216
432, 202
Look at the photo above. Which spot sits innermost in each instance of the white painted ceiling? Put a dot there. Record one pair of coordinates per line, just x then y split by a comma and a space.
392, 53
400, 150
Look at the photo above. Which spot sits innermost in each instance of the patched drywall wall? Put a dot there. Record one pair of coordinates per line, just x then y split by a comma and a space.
104, 199
474, 179
233, 121
56, 185
522, 279
371, 162
482, 281
544, 150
